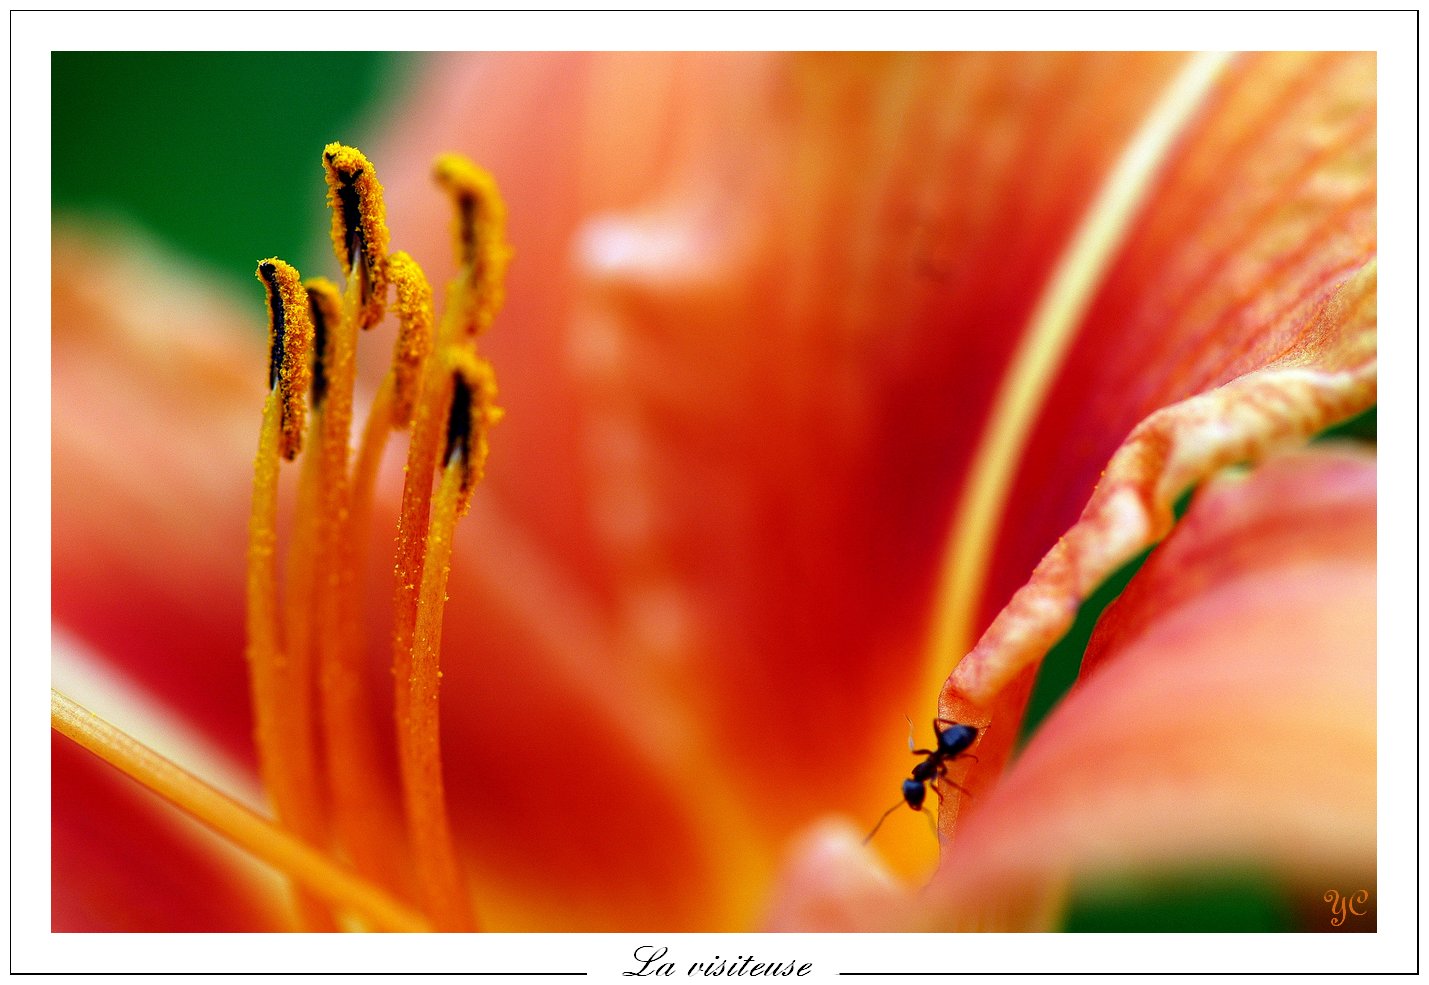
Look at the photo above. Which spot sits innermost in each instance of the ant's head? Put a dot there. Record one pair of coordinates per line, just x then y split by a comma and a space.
913, 793
955, 739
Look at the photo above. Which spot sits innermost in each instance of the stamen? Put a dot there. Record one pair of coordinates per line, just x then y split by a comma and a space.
419, 746
482, 253
359, 226
452, 396
291, 335
364, 817
473, 414
278, 727
295, 673
414, 334
423, 554
292, 856
325, 302
459, 421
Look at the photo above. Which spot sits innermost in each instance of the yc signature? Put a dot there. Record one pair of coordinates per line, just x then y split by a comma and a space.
1343, 907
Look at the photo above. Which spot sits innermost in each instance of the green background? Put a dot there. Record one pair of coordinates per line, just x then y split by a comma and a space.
215, 153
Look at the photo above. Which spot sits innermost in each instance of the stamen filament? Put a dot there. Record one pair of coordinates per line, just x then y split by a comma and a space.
417, 736
276, 728
292, 856
297, 668
428, 423
423, 559
419, 745
321, 613
363, 814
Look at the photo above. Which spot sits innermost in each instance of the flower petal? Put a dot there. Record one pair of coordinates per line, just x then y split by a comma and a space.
1243, 305
122, 861
1226, 717
155, 390
835, 884
799, 283
1227, 712
158, 388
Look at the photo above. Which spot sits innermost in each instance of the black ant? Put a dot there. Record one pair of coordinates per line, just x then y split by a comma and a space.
952, 744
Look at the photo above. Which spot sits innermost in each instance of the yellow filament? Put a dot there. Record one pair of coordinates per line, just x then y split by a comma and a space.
363, 815
423, 552
278, 728
297, 670
409, 566
303, 863
1080, 270
321, 613
444, 892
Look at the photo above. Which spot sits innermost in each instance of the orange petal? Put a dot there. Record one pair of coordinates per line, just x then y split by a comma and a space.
1242, 306
834, 883
798, 282
1227, 715
158, 389
121, 860
155, 396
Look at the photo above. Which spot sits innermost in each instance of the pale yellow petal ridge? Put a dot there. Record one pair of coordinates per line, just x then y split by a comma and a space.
313, 869
1170, 451
1033, 369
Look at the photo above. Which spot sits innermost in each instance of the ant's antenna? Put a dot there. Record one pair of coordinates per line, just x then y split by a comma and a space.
881, 820
910, 731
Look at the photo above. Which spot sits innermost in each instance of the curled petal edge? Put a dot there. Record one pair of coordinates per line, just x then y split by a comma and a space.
1331, 375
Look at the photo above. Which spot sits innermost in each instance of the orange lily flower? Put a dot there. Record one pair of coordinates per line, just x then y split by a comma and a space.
806, 362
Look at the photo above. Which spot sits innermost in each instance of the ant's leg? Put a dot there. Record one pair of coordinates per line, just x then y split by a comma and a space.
916, 752
943, 775
890, 810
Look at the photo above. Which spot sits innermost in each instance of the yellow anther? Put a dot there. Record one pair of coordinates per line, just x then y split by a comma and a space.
290, 327
325, 301
482, 252
414, 334
473, 413
359, 225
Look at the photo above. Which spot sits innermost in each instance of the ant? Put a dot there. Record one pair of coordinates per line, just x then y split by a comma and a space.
952, 744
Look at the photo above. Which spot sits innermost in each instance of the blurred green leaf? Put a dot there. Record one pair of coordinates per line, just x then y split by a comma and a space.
215, 152
1231, 900
1363, 427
